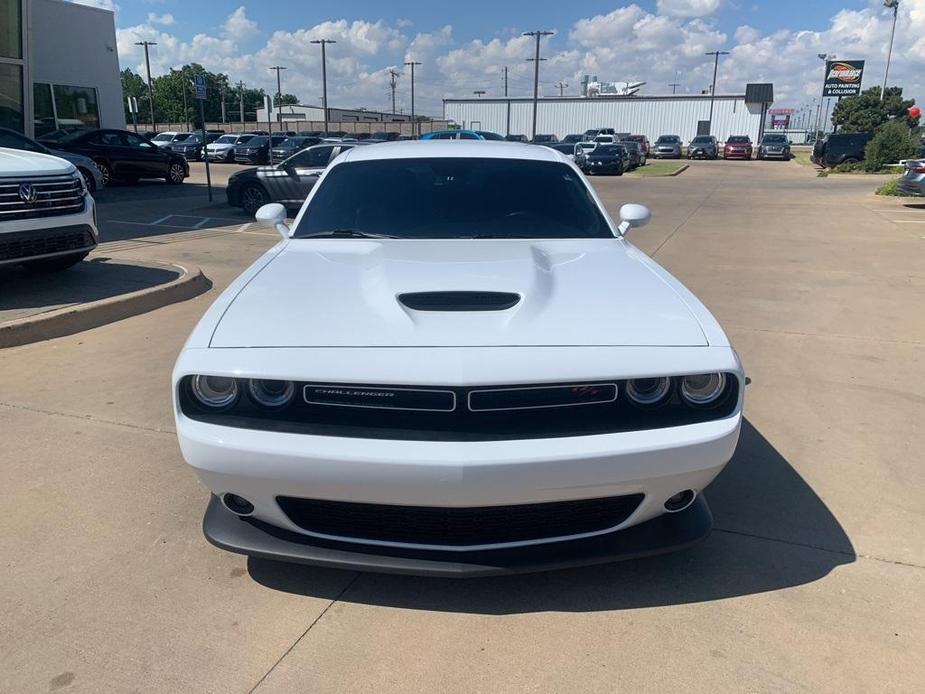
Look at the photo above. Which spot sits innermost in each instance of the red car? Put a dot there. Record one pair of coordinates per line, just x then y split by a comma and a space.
738, 147
642, 140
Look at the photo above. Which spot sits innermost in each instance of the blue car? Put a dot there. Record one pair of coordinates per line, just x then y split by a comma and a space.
461, 135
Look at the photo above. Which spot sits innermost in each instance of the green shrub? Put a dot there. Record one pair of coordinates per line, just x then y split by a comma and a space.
849, 167
893, 141
892, 188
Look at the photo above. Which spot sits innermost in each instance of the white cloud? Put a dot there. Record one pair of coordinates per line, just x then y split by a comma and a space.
101, 4
238, 26
165, 19
689, 8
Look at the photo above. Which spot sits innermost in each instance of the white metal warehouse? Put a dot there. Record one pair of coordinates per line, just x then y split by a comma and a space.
641, 115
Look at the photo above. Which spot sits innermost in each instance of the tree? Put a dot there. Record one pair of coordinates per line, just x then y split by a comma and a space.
893, 142
286, 100
865, 112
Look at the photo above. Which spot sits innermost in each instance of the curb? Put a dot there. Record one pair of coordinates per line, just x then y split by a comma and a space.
681, 170
75, 319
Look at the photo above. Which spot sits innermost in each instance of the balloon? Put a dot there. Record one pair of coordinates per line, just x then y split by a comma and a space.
915, 112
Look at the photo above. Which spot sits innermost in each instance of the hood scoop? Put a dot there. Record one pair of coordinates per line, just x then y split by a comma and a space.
459, 301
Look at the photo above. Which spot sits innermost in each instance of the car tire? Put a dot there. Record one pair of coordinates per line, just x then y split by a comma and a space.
89, 180
253, 197
850, 160
62, 262
105, 172
175, 173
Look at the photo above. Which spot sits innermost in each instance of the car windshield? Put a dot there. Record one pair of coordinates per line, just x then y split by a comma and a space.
489, 135
245, 138
702, 141
181, 137
668, 140
226, 139
607, 150
453, 198
776, 138
163, 137
738, 140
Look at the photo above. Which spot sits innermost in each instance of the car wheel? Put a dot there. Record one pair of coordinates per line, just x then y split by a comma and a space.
105, 172
89, 181
62, 262
229, 158
175, 173
253, 197
850, 160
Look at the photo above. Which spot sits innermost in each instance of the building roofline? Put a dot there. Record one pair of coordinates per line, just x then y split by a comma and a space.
608, 97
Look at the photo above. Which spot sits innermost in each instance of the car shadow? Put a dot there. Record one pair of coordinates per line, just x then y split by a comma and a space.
772, 532
99, 278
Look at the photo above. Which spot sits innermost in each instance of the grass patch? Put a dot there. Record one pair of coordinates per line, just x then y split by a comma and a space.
661, 168
802, 156
891, 188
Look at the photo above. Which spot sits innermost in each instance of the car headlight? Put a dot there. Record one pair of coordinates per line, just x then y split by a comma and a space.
215, 392
79, 177
703, 390
271, 394
648, 392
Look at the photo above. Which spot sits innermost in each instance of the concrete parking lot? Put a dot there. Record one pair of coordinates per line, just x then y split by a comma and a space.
813, 580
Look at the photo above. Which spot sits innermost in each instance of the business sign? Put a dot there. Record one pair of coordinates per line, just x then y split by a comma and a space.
843, 77
780, 111
199, 85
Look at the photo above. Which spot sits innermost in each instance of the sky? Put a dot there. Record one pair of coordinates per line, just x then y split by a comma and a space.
463, 48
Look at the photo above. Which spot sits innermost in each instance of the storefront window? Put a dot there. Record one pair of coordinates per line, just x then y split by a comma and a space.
44, 110
76, 107
11, 29
11, 102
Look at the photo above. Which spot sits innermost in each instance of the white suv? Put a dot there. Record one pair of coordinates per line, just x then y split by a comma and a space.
223, 148
47, 217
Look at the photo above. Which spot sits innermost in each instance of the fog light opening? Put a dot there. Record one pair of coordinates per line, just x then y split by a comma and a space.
238, 505
680, 501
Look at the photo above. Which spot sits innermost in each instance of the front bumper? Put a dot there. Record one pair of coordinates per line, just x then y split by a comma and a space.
768, 154
248, 158
49, 237
255, 538
737, 155
668, 154
220, 155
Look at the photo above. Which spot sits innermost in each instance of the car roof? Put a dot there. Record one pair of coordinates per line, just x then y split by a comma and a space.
454, 149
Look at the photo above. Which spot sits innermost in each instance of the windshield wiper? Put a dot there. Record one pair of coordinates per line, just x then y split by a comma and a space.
348, 234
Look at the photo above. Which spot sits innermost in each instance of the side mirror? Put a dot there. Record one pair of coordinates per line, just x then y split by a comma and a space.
633, 216
273, 215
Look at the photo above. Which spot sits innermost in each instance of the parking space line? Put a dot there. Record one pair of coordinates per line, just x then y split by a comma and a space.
158, 223
908, 221
205, 220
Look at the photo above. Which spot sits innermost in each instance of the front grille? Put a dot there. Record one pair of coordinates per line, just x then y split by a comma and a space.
493, 413
31, 244
54, 196
458, 527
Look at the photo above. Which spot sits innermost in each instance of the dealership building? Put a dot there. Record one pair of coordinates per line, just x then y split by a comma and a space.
59, 67
684, 115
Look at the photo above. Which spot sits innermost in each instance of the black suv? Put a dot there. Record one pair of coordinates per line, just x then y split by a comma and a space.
840, 148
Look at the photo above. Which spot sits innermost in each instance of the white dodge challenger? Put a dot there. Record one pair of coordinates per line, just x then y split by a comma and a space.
454, 363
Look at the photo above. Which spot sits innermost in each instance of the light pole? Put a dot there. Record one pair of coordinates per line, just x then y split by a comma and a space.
412, 64
324, 77
150, 90
241, 102
674, 87
538, 35
716, 55
561, 86
279, 95
893, 5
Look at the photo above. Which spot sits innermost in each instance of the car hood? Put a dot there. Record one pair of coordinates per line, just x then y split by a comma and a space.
223, 145
344, 293
16, 162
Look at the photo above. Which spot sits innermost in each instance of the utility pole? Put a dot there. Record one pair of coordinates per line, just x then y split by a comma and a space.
224, 117
505, 80
414, 125
716, 55
241, 95
324, 77
674, 87
150, 90
893, 5
279, 95
185, 107
561, 86
393, 82
538, 35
